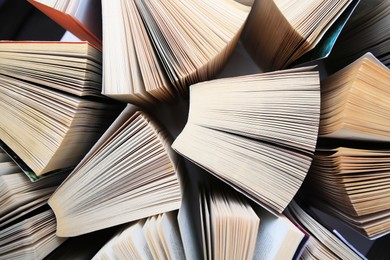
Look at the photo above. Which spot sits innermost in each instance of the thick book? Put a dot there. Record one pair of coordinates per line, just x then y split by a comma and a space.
300, 27
255, 132
81, 17
354, 102
157, 237
48, 129
353, 184
229, 225
72, 67
144, 58
131, 173
156, 49
32, 238
322, 243
216, 222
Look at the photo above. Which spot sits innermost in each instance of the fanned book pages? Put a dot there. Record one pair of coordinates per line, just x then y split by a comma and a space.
48, 129
154, 49
32, 238
278, 32
81, 17
157, 237
19, 196
278, 237
229, 226
322, 244
354, 185
368, 30
256, 133
133, 174
72, 67
355, 103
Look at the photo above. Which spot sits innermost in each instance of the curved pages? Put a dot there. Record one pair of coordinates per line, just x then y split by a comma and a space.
256, 133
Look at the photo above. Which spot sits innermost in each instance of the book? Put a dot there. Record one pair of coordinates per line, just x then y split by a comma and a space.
58, 128
352, 183
283, 240
82, 18
366, 31
19, 196
354, 102
131, 173
322, 50
145, 59
322, 243
255, 132
229, 225
300, 26
278, 237
72, 67
156, 237
7, 166
217, 222
32, 238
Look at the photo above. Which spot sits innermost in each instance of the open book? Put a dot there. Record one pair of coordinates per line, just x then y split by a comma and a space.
19, 196
354, 102
72, 67
156, 237
229, 226
322, 243
154, 49
278, 32
278, 237
255, 132
353, 184
32, 238
49, 129
130, 174
144, 58
224, 225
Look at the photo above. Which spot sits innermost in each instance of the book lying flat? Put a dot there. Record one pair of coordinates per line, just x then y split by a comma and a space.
156, 237
130, 174
72, 67
32, 238
81, 17
354, 183
322, 244
255, 132
300, 26
354, 102
154, 49
49, 129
